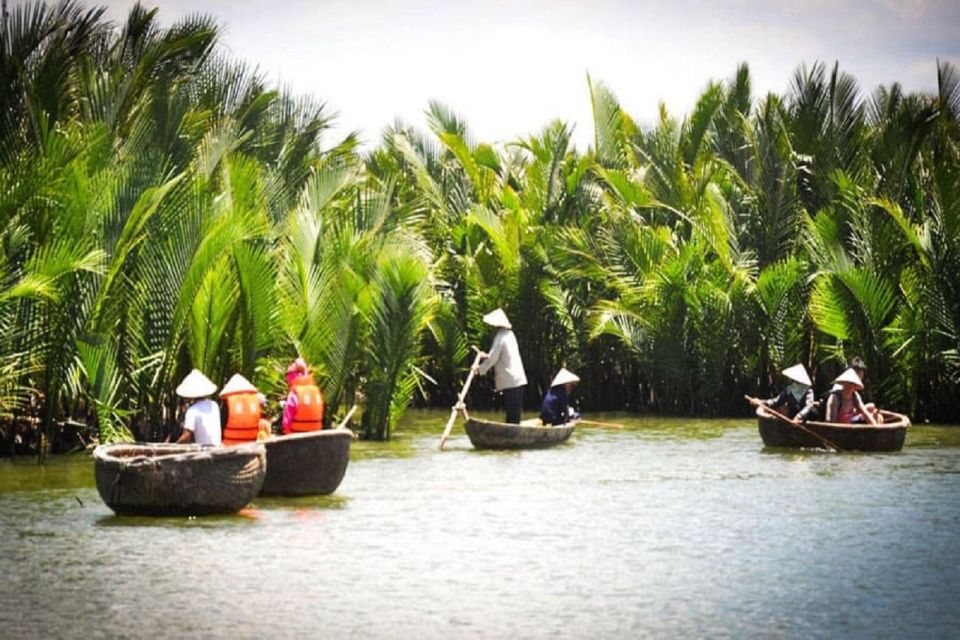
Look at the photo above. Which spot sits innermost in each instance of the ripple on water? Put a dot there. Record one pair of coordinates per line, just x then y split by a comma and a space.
667, 528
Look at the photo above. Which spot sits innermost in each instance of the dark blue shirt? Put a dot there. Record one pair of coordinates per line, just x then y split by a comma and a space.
788, 404
556, 407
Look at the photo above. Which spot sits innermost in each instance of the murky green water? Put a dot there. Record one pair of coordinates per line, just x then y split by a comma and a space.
669, 528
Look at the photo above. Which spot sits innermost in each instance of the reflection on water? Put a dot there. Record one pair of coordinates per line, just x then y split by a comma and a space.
667, 528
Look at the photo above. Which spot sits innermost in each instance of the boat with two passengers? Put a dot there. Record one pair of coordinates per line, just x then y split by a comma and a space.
887, 436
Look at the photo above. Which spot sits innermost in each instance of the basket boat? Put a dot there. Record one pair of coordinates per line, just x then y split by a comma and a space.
303, 464
178, 479
888, 436
485, 434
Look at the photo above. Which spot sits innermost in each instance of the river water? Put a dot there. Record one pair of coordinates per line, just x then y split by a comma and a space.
669, 528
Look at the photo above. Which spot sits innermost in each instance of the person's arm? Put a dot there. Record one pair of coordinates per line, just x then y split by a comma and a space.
863, 410
808, 405
289, 412
493, 356
776, 401
186, 434
831, 413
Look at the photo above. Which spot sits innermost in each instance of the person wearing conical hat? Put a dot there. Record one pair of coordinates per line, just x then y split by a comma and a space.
845, 404
504, 358
201, 421
556, 404
797, 400
860, 368
243, 404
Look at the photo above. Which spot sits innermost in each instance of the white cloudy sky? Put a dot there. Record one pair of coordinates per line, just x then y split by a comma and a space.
509, 67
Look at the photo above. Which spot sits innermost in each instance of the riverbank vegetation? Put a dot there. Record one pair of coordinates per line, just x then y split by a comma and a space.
162, 207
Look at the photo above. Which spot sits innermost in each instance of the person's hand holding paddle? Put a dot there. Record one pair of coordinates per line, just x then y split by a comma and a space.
758, 403
481, 355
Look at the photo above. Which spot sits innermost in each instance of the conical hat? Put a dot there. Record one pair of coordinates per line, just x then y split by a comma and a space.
497, 318
563, 377
798, 373
850, 376
237, 384
196, 385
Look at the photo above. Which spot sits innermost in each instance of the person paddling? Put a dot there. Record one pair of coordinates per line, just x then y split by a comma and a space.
201, 422
556, 404
797, 400
845, 403
504, 357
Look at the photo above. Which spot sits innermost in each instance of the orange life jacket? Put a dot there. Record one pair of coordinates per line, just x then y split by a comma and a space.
309, 415
243, 418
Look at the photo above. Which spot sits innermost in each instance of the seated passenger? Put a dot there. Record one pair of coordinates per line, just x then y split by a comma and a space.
796, 401
556, 404
845, 403
303, 410
860, 368
201, 422
243, 407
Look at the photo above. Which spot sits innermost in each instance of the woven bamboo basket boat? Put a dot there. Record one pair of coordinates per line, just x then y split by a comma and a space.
888, 436
303, 464
486, 434
178, 479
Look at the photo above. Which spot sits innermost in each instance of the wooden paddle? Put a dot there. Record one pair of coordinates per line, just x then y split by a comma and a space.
796, 423
603, 425
463, 394
346, 419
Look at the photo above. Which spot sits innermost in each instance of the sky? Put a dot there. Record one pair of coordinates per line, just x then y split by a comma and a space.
509, 67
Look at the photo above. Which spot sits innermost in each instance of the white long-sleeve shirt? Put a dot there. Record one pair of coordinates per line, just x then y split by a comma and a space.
505, 359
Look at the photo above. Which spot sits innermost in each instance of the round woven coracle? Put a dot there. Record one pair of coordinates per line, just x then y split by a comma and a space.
177, 479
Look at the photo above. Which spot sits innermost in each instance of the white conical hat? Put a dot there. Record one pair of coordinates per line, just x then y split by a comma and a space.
497, 318
237, 384
563, 377
850, 376
798, 373
196, 385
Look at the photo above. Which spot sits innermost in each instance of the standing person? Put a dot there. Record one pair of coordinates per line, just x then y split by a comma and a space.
303, 410
556, 404
201, 422
846, 403
504, 358
797, 400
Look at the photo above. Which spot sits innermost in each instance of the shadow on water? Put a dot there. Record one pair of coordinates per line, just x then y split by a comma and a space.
333, 502
245, 517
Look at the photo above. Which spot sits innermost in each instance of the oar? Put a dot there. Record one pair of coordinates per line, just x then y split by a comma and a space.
463, 394
604, 425
346, 419
796, 423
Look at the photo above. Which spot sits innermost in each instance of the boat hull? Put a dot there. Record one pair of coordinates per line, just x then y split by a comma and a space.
484, 434
889, 436
305, 464
178, 480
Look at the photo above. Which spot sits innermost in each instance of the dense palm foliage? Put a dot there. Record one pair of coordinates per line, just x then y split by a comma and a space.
162, 208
